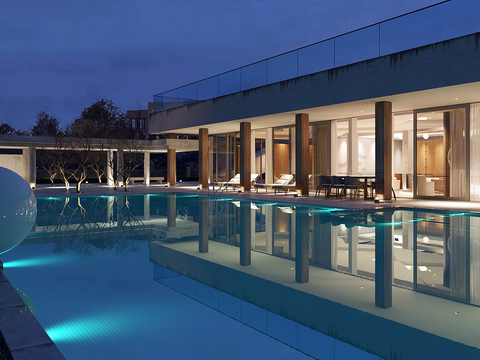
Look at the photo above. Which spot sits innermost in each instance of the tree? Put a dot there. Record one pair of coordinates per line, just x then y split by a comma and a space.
133, 156
100, 120
7, 129
46, 125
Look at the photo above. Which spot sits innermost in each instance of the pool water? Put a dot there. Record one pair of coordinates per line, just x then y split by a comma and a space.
85, 268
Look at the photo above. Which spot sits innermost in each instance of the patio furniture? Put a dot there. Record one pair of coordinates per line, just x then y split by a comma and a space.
285, 179
235, 181
289, 187
338, 184
324, 183
354, 185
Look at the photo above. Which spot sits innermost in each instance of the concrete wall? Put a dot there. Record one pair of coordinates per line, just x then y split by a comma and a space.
17, 163
447, 63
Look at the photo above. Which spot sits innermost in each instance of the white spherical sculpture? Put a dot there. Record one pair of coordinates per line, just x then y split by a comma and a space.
18, 209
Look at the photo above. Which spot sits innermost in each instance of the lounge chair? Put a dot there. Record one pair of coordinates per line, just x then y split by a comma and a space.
285, 179
288, 187
235, 181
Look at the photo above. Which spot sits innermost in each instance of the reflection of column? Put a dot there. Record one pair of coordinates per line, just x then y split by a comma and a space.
171, 163
109, 167
245, 156
383, 259
171, 213
383, 150
447, 152
120, 210
203, 225
110, 203
146, 207
407, 230
301, 246
269, 230
322, 240
301, 169
447, 254
352, 237
146, 167
245, 233
269, 156
203, 158
352, 147
291, 234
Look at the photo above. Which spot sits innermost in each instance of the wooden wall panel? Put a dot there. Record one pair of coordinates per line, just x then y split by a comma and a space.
281, 160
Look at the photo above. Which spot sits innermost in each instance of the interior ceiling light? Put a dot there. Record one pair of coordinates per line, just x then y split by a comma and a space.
426, 136
423, 118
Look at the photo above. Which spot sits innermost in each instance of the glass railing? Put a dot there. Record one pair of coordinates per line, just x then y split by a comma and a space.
435, 23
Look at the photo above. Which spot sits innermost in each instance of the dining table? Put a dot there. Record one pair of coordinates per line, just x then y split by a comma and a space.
366, 179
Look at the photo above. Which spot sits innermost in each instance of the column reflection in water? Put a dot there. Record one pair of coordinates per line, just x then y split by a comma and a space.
352, 244
442, 261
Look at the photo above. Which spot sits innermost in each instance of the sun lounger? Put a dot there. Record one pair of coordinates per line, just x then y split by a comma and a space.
235, 181
285, 179
289, 187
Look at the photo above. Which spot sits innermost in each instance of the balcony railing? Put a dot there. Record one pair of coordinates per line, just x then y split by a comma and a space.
435, 23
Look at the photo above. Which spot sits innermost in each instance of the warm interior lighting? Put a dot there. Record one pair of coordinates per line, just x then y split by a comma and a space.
426, 136
423, 118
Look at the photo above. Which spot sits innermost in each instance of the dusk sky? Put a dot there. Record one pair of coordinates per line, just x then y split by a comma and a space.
61, 56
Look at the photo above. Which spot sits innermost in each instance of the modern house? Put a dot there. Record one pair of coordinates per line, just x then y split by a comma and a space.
388, 100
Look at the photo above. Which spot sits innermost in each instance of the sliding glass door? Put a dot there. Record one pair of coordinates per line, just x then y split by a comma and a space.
441, 153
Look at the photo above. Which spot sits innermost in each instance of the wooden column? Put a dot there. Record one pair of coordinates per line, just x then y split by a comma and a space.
203, 158
203, 225
383, 259
245, 156
171, 163
383, 150
245, 233
301, 245
301, 153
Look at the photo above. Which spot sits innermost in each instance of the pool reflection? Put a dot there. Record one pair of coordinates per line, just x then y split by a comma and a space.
427, 251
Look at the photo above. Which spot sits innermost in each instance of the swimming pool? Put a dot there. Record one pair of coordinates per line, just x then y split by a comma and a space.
85, 269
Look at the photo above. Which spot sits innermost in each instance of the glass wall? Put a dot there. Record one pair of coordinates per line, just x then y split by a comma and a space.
260, 155
223, 152
441, 153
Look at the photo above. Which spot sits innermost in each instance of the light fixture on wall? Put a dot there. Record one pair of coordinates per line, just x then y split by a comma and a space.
426, 136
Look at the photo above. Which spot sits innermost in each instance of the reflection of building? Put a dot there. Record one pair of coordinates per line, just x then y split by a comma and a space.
410, 117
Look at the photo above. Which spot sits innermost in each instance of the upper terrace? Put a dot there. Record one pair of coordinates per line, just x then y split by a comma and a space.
418, 28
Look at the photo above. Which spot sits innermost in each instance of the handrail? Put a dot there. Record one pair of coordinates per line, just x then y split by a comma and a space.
213, 86
223, 184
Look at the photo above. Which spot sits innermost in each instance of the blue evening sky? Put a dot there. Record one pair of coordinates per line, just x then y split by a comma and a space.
61, 56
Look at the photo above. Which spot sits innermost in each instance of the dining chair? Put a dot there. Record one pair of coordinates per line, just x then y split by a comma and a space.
325, 183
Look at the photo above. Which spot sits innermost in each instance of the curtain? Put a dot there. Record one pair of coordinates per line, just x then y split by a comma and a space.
475, 152
458, 154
